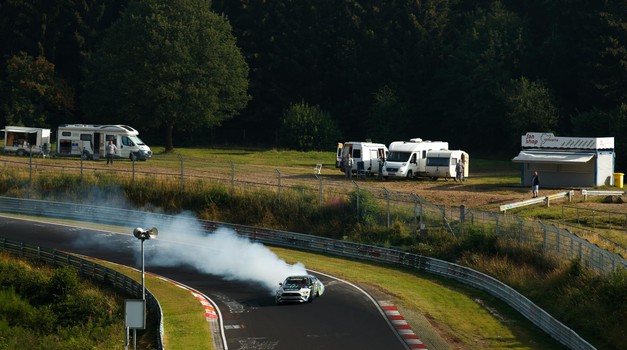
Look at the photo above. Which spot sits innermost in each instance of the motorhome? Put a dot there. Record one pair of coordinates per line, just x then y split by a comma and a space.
25, 141
409, 158
89, 141
441, 164
367, 152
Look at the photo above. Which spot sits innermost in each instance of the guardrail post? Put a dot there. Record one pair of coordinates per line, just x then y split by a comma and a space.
278, 186
320, 186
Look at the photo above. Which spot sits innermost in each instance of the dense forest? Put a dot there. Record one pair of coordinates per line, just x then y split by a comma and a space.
476, 73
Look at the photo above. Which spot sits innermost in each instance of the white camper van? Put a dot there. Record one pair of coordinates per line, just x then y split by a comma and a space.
442, 163
89, 141
367, 152
409, 158
23, 140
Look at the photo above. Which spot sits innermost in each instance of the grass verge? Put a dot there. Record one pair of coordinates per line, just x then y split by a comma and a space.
184, 322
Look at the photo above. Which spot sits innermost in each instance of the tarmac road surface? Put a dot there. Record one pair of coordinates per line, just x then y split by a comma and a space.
343, 318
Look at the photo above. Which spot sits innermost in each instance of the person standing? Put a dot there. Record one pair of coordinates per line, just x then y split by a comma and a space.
381, 164
535, 184
349, 167
459, 171
110, 152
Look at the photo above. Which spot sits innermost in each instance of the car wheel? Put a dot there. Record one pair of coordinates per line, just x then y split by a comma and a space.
409, 174
20, 153
132, 157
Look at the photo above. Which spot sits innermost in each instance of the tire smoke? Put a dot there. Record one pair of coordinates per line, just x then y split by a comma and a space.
221, 253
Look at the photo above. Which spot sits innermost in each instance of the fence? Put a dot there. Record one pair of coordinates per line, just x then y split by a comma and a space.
412, 212
476, 279
92, 270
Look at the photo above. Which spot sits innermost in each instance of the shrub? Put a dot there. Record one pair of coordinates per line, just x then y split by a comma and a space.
308, 128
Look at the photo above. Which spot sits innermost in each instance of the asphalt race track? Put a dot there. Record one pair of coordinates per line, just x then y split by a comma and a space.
343, 318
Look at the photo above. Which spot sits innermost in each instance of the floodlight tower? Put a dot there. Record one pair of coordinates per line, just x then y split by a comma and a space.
143, 235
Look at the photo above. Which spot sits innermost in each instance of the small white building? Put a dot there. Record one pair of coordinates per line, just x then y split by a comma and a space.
564, 162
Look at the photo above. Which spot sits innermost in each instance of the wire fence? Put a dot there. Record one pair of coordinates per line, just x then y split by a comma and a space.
375, 204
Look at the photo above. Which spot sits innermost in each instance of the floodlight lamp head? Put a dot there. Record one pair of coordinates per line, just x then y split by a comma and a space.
143, 234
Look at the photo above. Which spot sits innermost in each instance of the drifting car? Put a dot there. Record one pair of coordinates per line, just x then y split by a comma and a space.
301, 289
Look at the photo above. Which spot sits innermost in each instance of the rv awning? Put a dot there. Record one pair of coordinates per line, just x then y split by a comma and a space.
552, 157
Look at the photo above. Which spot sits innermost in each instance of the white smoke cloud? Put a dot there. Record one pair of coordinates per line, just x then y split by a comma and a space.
222, 253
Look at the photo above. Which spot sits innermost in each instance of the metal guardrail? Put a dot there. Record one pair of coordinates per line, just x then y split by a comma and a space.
89, 269
517, 301
414, 213
546, 199
586, 193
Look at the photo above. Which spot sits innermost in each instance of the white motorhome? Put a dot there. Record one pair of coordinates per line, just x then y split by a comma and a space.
409, 158
442, 163
24, 141
89, 141
361, 151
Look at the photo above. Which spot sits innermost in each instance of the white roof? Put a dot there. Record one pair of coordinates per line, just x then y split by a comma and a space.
552, 157
548, 140
22, 129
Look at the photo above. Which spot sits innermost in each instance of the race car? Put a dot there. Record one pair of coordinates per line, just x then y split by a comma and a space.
303, 288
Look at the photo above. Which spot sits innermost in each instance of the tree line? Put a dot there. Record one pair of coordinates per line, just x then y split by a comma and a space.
305, 74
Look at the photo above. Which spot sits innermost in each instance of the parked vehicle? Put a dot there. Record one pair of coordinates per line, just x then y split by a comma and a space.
442, 163
89, 141
25, 141
302, 289
408, 159
361, 151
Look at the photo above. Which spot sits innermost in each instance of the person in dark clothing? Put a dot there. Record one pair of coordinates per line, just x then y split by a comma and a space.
535, 184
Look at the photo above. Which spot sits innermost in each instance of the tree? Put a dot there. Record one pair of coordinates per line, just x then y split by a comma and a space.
485, 55
528, 107
32, 95
308, 128
388, 119
166, 64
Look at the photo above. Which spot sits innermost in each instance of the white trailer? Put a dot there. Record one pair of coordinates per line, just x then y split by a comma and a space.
89, 141
442, 163
25, 141
371, 154
408, 159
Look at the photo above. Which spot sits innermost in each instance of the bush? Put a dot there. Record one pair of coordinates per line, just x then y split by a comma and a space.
308, 128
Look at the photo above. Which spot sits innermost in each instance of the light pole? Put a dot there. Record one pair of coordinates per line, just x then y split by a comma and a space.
136, 318
143, 235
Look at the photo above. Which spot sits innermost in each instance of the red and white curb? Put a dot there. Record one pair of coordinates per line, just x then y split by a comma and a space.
401, 326
210, 311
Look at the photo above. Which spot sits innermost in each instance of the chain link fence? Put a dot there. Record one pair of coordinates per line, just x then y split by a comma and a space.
375, 204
